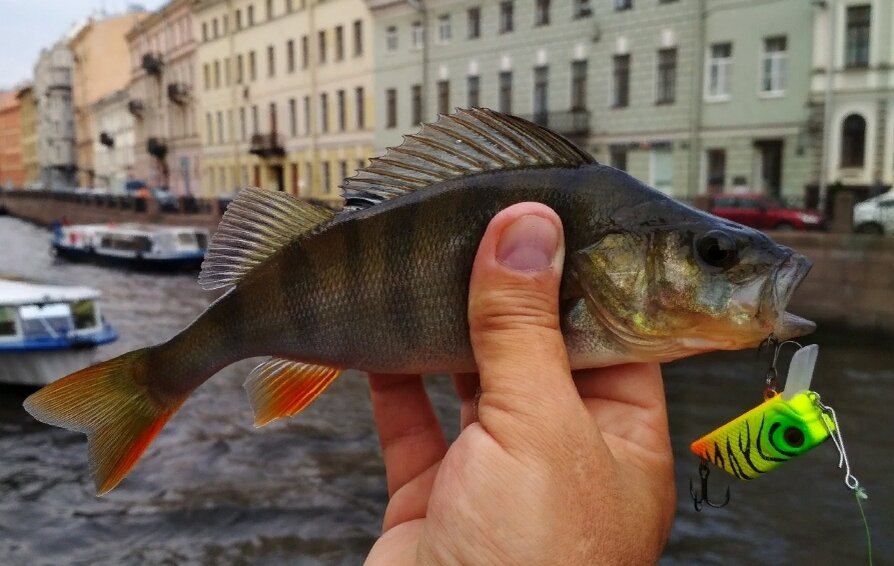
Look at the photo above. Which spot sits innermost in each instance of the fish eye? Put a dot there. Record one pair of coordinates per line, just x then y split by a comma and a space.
717, 249
793, 436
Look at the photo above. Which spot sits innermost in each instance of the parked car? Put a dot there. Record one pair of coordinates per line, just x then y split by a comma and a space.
875, 215
762, 212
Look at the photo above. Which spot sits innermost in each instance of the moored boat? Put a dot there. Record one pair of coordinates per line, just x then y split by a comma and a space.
137, 245
48, 331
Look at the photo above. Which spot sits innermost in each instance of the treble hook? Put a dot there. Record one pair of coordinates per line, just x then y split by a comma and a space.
700, 498
771, 377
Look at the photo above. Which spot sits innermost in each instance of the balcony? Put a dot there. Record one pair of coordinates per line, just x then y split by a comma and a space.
567, 123
135, 107
178, 93
106, 139
157, 148
153, 64
266, 145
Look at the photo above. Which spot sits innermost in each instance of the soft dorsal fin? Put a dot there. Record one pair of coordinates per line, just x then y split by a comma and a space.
464, 143
256, 224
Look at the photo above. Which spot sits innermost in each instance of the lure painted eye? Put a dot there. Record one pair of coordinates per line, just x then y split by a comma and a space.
717, 249
793, 436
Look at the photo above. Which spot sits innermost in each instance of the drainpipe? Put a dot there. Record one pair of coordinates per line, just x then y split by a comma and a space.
695, 121
314, 51
827, 100
419, 6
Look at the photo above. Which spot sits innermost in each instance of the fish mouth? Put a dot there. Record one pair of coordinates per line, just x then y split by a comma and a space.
791, 271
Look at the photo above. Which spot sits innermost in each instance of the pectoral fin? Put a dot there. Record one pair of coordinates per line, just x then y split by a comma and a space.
281, 388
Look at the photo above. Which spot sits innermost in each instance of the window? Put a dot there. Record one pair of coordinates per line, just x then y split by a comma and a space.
289, 6
293, 173
305, 52
206, 72
340, 110
617, 157
308, 173
204, 31
255, 121
391, 108
416, 110
271, 114
474, 22
250, 15
269, 9
417, 35
217, 74
716, 174
391, 39
578, 85
621, 5
290, 56
343, 169
505, 102
541, 90
226, 25
214, 33
358, 38
666, 86
773, 65
307, 115
243, 130
853, 141
252, 66
541, 13
326, 178
271, 62
324, 113
339, 43
238, 19
662, 170
293, 117
220, 127
240, 69
444, 31
856, 42
321, 41
719, 71
209, 127
474, 91
583, 9
506, 16
226, 67
444, 97
360, 103
621, 73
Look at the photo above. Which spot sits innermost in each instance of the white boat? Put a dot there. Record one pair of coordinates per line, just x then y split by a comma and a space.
48, 331
138, 245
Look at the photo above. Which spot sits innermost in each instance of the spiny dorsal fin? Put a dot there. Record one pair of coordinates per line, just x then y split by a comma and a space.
256, 224
281, 388
464, 143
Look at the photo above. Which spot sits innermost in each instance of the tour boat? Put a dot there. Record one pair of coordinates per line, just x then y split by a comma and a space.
138, 245
48, 331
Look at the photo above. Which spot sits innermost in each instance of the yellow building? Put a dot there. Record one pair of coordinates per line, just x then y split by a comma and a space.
285, 90
101, 67
28, 117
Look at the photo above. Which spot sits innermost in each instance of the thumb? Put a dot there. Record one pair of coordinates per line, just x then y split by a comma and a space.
514, 318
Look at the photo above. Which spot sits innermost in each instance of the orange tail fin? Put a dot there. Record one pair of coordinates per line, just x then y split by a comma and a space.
112, 405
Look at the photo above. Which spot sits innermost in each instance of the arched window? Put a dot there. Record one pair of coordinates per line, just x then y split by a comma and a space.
853, 141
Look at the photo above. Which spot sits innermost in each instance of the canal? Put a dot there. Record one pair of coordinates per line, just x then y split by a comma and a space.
214, 490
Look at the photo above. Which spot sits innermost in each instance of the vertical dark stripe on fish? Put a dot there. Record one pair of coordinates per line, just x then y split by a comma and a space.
356, 248
399, 302
304, 315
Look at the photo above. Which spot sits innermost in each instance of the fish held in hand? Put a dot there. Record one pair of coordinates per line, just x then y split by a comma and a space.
383, 285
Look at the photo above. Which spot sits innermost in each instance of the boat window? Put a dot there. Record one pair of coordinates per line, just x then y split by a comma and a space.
84, 314
50, 320
7, 321
186, 239
127, 243
202, 240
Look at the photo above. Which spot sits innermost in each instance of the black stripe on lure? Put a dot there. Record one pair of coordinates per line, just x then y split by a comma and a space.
784, 426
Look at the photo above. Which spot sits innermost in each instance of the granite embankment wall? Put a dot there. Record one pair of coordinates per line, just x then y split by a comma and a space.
851, 283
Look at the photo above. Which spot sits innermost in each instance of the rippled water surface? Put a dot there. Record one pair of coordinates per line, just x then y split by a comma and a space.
214, 490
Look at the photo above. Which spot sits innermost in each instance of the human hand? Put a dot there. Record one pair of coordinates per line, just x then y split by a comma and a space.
548, 469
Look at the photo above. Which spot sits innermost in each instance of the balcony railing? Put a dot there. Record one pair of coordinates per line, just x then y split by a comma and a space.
567, 123
266, 145
178, 92
157, 147
152, 63
135, 107
106, 139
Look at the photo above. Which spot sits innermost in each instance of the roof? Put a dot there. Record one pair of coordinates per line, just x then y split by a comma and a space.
8, 100
14, 293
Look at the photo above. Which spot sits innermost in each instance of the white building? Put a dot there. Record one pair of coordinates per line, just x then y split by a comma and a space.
55, 122
113, 148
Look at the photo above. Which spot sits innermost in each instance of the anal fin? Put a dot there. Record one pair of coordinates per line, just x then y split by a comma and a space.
282, 388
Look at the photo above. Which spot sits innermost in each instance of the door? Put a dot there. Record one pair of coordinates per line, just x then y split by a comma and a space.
279, 177
768, 167
716, 170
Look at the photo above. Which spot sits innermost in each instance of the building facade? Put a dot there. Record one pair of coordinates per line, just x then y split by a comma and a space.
113, 147
28, 120
852, 92
286, 94
12, 168
101, 67
56, 155
163, 99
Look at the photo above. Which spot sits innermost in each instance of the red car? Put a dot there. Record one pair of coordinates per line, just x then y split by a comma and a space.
762, 212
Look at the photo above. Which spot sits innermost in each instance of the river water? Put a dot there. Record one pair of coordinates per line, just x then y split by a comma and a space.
214, 490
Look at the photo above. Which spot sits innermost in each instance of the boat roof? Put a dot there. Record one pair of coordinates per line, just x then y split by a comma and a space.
16, 293
133, 228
